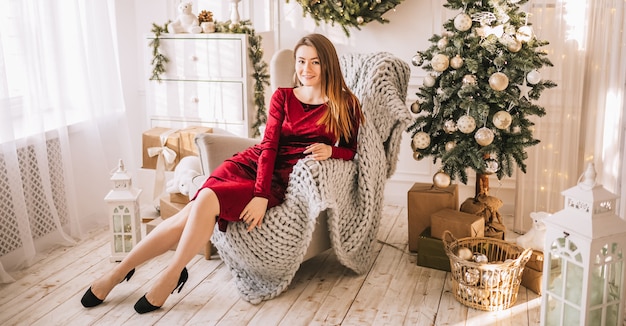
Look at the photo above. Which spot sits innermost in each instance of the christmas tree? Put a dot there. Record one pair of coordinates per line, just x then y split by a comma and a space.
474, 107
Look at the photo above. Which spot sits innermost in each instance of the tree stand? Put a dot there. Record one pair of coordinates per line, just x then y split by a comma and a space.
486, 206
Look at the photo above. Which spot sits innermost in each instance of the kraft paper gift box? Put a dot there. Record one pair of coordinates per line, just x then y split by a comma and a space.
168, 208
179, 198
431, 253
531, 279
180, 143
461, 225
536, 261
422, 200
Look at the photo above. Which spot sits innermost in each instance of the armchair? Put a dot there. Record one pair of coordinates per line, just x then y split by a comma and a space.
332, 203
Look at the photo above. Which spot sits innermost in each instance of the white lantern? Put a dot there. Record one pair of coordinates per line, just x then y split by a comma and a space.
584, 258
123, 207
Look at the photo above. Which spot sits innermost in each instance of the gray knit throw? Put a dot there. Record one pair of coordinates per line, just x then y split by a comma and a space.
265, 260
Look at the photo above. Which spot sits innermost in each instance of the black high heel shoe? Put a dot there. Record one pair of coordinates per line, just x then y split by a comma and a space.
143, 305
90, 300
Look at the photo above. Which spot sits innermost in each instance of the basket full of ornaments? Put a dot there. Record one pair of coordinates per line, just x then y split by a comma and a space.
486, 272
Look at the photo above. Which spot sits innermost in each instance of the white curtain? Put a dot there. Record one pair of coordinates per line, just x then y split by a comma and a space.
588, 49
62, 125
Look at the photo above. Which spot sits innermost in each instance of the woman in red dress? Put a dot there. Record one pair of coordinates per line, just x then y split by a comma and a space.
319, 119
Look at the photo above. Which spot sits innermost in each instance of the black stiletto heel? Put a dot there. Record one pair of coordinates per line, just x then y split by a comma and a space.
143, 305
90, 300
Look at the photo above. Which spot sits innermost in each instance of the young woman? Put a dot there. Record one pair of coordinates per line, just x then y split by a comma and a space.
319, 118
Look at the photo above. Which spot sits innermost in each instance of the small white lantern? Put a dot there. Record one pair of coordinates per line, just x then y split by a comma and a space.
584, 258
123, 206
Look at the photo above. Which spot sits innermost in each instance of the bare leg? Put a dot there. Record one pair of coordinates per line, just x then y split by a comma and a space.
197, 232
162, 238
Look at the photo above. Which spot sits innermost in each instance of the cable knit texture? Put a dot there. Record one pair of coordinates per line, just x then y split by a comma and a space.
265, 260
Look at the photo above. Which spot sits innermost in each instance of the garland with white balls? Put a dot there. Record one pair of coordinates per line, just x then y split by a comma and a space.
347, 13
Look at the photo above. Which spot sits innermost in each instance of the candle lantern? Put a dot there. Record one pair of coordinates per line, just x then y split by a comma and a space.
584, 258
123, 207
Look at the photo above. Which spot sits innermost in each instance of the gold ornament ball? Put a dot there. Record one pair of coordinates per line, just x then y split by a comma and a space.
429, 80
498, 81
415, 107
441, 180
440, 62
533, 77
524, 33
450, 145
502, 119
469, 80
449, 126
442, 43
421, 140
462, 22
484, 136
466, 124
417, 156
456, 62
514, 45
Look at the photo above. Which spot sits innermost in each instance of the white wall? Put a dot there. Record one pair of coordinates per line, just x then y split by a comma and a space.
281, 25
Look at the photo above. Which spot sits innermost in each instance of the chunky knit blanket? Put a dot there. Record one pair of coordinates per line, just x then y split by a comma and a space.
265, 260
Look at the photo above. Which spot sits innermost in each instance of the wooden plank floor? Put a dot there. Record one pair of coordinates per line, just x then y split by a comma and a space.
395, 291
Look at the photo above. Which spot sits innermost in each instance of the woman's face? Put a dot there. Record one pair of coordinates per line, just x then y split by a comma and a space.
308, 68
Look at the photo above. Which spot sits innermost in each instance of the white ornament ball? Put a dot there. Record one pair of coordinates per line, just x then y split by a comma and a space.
456, 62
440, 62
450, 145
442, 43
469, 80
462, 22
429, 80
359, 20
466, 124
524, 33
533, 77
498, 81
421, 140
484, 136
491, 166
464, 253
502, 119
441, 180
415, 107
449, 126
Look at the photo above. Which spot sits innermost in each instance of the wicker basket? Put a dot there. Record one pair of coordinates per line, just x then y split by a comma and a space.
490, 286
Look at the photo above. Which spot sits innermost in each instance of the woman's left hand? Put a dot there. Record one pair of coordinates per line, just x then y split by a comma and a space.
319, 151
254, 212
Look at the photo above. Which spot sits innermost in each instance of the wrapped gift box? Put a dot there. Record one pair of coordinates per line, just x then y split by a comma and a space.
179, 198
531, 279
422, 200
536, 261
168, 208
461, 225
431, 253
181, 141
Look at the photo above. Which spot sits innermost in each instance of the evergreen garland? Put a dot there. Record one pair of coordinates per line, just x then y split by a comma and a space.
347, 13
158, 59
255, 53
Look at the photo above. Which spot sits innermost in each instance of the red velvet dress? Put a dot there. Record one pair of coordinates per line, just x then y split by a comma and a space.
263, 170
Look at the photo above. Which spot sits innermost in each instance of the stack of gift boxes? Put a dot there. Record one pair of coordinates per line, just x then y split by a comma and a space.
162, 149
432, 210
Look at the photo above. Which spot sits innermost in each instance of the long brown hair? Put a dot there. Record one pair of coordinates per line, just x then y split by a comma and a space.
344, 109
